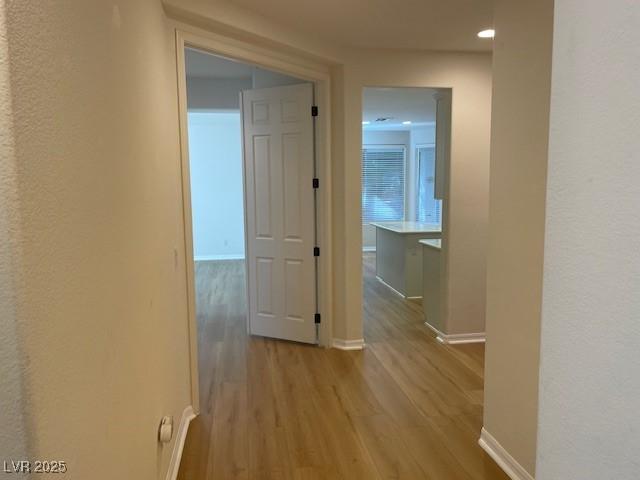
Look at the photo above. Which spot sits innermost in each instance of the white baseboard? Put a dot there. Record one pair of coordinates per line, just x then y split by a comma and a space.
229, 256
181, 435
506, 462
348, 344
417, 297
457, 338
390, 287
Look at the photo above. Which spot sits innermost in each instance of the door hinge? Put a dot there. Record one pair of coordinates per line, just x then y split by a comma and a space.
316, 251
317, 317
314, 110
316, 183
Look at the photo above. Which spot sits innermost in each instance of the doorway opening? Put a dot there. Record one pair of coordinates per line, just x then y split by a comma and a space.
279, 75
283, 107
251, 205
406, 136
403, 203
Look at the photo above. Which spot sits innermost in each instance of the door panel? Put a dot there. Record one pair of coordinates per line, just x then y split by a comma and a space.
262, 186
264, 277
292, 188
278, 159
294, 276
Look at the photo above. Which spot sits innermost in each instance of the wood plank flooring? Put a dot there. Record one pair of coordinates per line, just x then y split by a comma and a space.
406, 407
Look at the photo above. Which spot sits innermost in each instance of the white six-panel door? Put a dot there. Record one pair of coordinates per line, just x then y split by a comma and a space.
278, 163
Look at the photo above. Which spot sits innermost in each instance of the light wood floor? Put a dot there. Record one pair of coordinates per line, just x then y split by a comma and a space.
406, 407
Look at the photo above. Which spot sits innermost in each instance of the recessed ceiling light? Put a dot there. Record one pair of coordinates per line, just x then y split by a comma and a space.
490, 33
366, 123
406, 123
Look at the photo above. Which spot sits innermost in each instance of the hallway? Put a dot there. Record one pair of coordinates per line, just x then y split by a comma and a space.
404, 407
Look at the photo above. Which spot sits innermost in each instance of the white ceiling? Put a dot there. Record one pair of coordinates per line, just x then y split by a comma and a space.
416, 105
200, 64
409, 24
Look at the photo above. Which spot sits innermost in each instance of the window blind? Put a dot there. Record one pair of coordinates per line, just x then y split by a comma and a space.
383, 183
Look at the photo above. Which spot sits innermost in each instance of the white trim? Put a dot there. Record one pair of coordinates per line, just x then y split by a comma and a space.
506, 462
457, 338
348, 344
389, 286
228, 256
438, 333
181, 435
187, 221
244, 216
417, 297
416, 161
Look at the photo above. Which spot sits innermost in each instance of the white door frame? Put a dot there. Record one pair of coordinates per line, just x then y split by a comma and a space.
272, 59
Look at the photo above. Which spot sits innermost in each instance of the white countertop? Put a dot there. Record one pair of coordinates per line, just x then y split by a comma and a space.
431, 243
409, 227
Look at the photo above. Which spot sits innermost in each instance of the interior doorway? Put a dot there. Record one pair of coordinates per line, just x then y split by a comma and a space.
252, 203
225, 358
251, 144
403, 206
265, 66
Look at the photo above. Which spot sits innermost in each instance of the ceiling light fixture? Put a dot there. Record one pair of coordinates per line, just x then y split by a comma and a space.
490, 33
408, 122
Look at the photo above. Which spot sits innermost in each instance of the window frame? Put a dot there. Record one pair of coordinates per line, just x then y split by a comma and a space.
417, 147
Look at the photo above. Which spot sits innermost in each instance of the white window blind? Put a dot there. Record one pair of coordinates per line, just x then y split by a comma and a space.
383, 183
429, 208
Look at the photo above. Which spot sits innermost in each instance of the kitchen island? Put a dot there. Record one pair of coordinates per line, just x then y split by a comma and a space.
399, 254
432, 285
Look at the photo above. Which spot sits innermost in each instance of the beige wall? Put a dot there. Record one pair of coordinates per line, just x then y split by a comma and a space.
102, 306
338, 145
465, 215
519, 137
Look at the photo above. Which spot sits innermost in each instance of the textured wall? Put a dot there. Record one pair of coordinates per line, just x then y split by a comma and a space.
589, 427
519, 133
102, 310
13, 431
